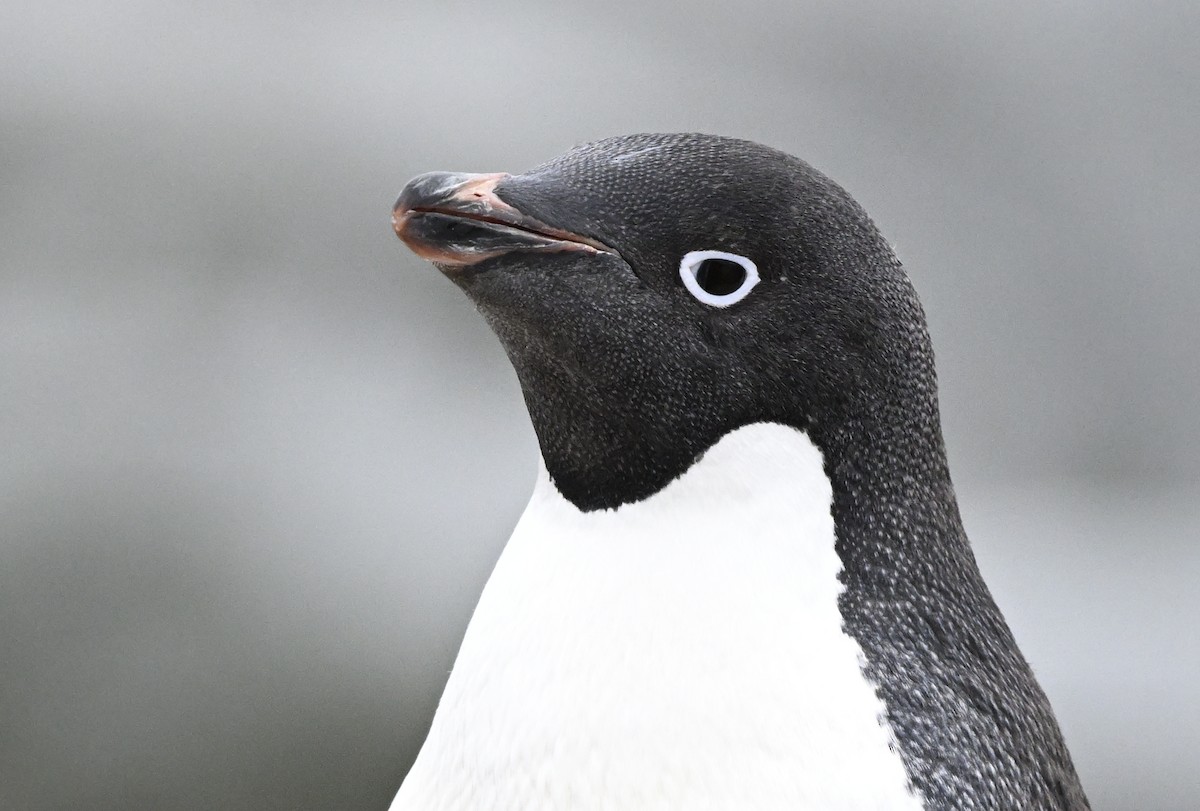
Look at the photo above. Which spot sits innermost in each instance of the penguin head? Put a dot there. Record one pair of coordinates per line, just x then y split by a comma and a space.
655, 292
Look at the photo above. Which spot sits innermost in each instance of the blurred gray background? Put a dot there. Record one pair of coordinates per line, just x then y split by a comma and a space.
258, 460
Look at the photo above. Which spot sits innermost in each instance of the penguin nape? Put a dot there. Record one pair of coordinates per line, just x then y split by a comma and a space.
742, 580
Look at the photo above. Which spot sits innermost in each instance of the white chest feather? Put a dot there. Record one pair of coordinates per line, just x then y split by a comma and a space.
684, 652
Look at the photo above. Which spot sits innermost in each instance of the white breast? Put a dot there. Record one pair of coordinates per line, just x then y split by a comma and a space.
684, 652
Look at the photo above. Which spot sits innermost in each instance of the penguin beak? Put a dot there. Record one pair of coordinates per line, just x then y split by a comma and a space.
455, 219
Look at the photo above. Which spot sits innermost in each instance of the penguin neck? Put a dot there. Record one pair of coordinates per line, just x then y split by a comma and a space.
933, 640
894, 450
886, 461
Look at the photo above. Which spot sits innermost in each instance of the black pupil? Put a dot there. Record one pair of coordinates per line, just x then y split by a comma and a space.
720, 277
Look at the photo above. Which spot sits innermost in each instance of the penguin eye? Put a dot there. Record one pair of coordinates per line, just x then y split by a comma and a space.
718, 278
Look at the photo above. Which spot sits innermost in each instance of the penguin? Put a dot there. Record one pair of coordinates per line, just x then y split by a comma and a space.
742, 580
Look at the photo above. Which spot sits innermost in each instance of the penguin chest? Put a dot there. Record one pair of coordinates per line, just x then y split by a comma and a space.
685, 651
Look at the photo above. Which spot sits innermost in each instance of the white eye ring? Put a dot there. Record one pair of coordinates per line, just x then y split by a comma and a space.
690, 270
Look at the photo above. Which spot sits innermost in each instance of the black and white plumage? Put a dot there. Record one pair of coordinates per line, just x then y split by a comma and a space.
742, 580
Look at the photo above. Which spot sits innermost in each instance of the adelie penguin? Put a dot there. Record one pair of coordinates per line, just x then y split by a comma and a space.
742, 581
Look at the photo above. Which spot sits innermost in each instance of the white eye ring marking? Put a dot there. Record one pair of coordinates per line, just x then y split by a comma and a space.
689, 268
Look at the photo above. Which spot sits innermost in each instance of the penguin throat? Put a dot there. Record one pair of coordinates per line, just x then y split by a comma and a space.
597, 463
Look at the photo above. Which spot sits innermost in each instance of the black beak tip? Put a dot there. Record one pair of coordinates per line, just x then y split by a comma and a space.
428, 189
